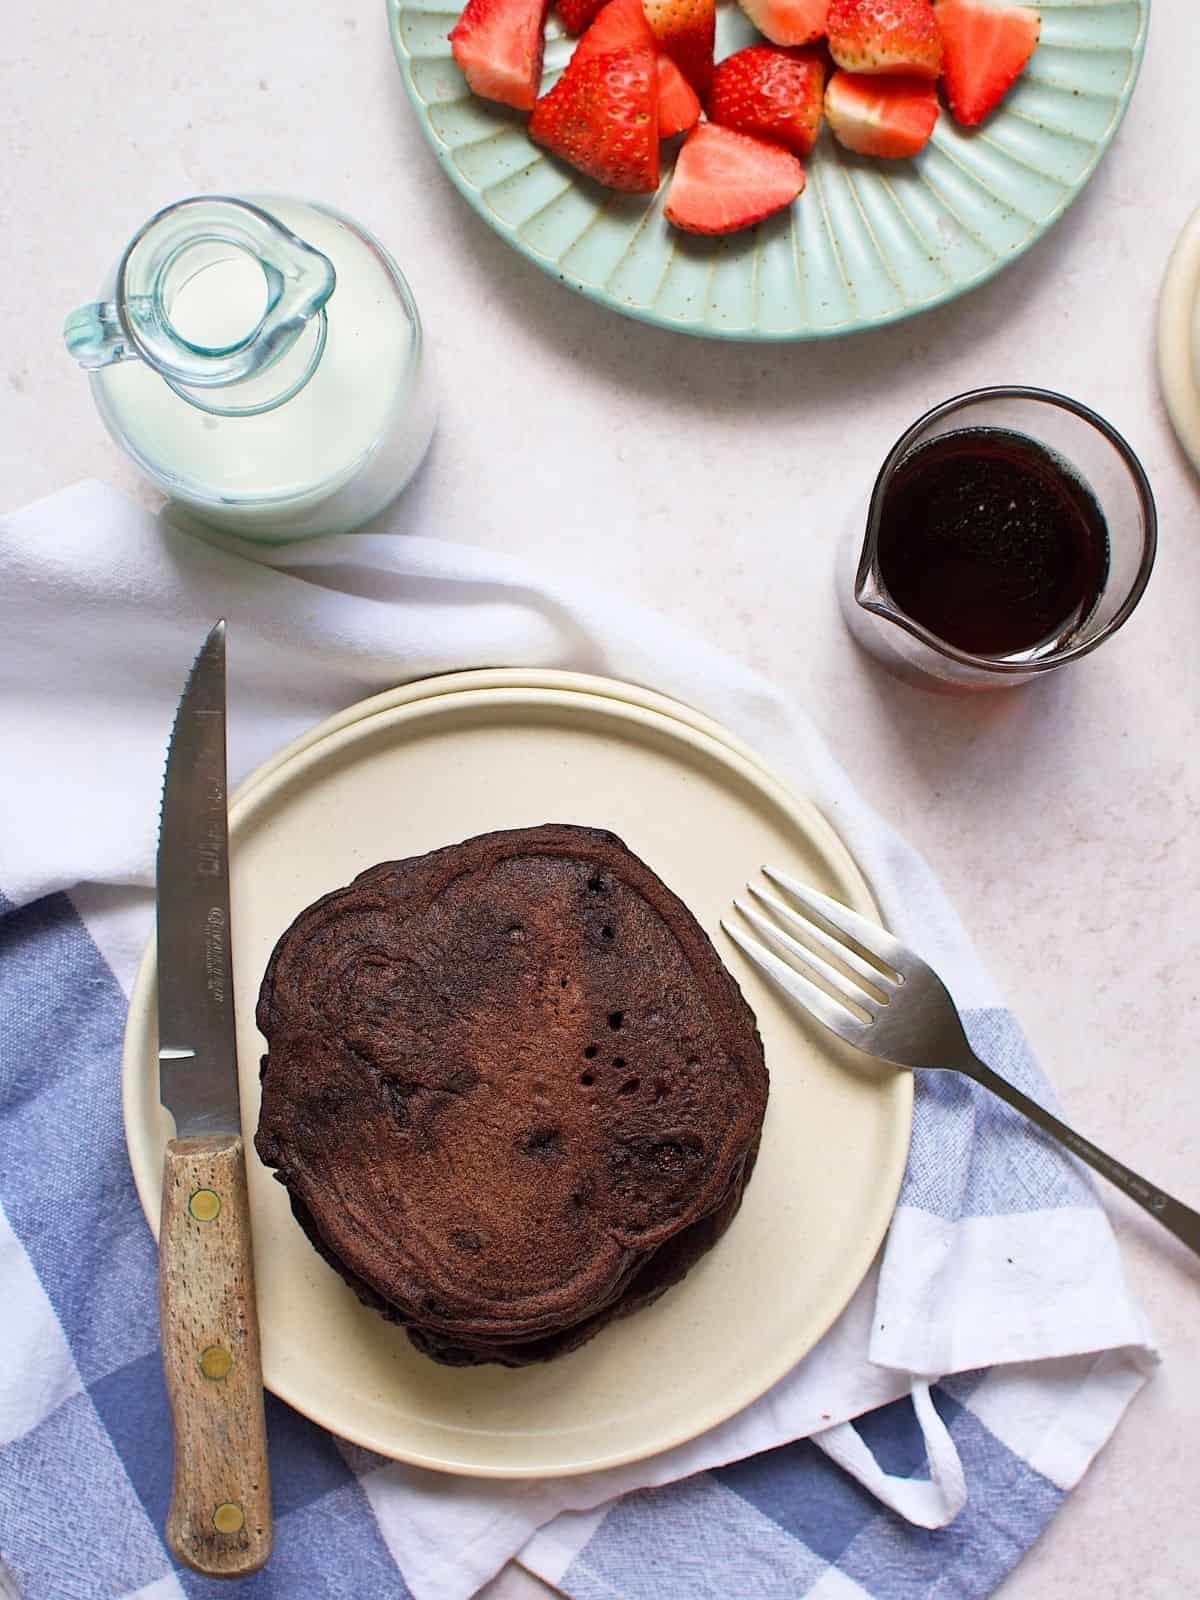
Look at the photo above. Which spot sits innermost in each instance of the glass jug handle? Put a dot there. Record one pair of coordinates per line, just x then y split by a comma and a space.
94, 336
163, 256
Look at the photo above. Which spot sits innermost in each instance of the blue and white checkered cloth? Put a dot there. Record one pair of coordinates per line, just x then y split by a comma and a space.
918, 1451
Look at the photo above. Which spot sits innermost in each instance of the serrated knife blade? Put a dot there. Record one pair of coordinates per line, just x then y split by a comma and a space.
219, 1517
197, 1051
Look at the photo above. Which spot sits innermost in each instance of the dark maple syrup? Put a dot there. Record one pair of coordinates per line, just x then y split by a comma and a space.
992, 542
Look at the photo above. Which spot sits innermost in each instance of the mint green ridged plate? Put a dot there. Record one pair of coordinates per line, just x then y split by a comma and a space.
867, 243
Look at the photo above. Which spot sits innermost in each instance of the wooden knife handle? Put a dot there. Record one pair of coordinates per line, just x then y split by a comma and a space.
219, 1522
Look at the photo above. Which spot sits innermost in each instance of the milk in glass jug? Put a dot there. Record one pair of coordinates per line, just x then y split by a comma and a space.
261, 359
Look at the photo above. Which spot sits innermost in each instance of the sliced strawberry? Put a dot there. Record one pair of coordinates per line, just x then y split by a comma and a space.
619, 25
678, 103
985, 49
881, 116
788, 21
771, 92
725, 180
577, 14
898, 36
602, 117
686, 30
498, 47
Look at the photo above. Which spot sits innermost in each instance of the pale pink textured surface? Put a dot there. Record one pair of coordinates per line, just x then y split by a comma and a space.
711, 481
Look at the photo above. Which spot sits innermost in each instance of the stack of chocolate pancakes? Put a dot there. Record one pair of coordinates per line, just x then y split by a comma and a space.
510, 1088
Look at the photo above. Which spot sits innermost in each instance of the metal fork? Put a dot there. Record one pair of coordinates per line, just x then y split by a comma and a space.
888, 1002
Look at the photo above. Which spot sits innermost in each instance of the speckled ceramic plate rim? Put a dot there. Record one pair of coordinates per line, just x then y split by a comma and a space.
741, 335
145, 1145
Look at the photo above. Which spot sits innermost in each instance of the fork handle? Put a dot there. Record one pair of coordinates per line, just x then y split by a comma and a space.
1182, 1221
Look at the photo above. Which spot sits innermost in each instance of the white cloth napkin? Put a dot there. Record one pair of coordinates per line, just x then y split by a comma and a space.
102, 607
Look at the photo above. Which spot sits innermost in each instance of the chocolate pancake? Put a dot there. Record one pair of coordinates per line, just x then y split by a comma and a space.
510, 1087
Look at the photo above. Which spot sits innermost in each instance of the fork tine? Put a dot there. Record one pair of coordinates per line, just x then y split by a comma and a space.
871, 939
844, 988
824, 941
836, 1017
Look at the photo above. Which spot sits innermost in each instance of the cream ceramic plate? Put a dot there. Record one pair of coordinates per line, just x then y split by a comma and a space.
435, 763
1179, 338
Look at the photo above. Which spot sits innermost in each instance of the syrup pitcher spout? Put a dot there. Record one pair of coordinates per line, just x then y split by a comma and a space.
269, 303
871, 614
869, 590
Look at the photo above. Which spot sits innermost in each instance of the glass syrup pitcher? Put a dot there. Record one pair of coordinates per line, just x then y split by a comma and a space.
1010, 531
261, 360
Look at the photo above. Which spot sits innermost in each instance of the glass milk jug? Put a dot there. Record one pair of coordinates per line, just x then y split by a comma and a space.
261, 360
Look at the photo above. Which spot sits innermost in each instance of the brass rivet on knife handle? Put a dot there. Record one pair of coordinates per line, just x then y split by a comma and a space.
219, 1522
205, 1205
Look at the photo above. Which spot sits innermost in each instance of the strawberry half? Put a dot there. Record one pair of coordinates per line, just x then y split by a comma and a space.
619, 25
678, 103
771, 92
788, 21
686, 31
622, 25
498, 47
985, 49
726, 180
602, 117
881, 116
576, 15
898, 36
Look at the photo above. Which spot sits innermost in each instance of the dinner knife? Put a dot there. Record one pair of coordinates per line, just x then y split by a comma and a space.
219, 1521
